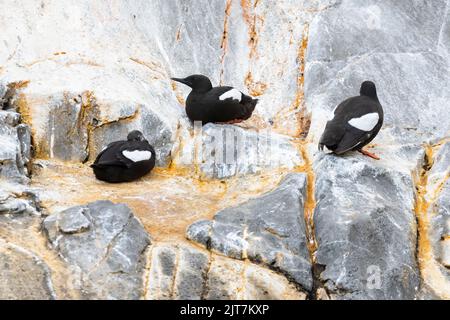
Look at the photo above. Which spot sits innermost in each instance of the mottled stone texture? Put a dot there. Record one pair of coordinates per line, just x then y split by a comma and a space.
104, 243
229, 151
23, 275
439, 196
364, 218
76, 75
269, 230
15, 147
366, 230
185, 272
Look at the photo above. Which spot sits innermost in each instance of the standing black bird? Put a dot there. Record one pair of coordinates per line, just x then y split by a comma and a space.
219, 104
123, 161
356, 122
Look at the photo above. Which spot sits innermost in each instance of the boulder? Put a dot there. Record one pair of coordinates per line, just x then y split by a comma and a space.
106, 244
23, 275
269, 230
185, 272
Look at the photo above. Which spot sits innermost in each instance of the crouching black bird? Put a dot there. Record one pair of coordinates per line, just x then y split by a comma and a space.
218, 104
123, 161
356, 121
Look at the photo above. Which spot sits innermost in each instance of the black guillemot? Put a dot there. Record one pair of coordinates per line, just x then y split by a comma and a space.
218, 104
124, 161
355, 123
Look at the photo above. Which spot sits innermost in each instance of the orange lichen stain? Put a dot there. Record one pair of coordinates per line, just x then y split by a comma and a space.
167, 200
255, 88
155, 67
429, 267
88, 109
251, 20
179, 96
224, 42
310, 201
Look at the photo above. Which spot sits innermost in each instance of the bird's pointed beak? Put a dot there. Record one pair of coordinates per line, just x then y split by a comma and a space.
183, 81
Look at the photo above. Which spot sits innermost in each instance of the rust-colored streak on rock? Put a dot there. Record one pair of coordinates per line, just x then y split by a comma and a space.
178, 35
423, 208
179, 96
224, 43
301, 69
255, 88
88, 108
156, 68
295, 120
251, 19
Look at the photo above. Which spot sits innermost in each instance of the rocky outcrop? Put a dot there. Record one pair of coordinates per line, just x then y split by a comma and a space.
15, 147
335, 227
229, 151
365, 210
269, 230
184, 272
105, 244
23, 275
365, 230
19, 203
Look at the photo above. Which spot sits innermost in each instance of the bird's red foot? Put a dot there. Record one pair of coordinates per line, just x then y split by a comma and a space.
369, 154
231, 121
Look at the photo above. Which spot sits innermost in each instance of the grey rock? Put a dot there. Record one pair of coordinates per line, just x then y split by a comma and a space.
176, 273
365, 229
363, 219
232, 151
74, 220
106, 243
404, 64
19, 203
15, 147
269, 230
376, 26
185, 272
23, 275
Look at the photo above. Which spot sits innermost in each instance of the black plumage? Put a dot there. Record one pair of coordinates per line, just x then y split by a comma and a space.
356, 122
218, 104
124, 161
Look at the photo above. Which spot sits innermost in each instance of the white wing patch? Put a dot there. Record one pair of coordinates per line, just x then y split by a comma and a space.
365, 123
233, 93
137, 155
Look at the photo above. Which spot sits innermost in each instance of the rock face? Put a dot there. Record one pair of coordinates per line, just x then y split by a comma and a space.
366, 230
76, 75
229, 151
105, 243
23, 276
15, 147
25, 203
269, 230
183, 272
365, 214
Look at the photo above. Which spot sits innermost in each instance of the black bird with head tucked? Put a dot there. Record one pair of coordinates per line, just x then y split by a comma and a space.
355, 123
218, 104
123, 161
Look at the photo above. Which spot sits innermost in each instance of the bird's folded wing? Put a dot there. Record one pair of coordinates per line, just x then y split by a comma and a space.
105, 157
351, 139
